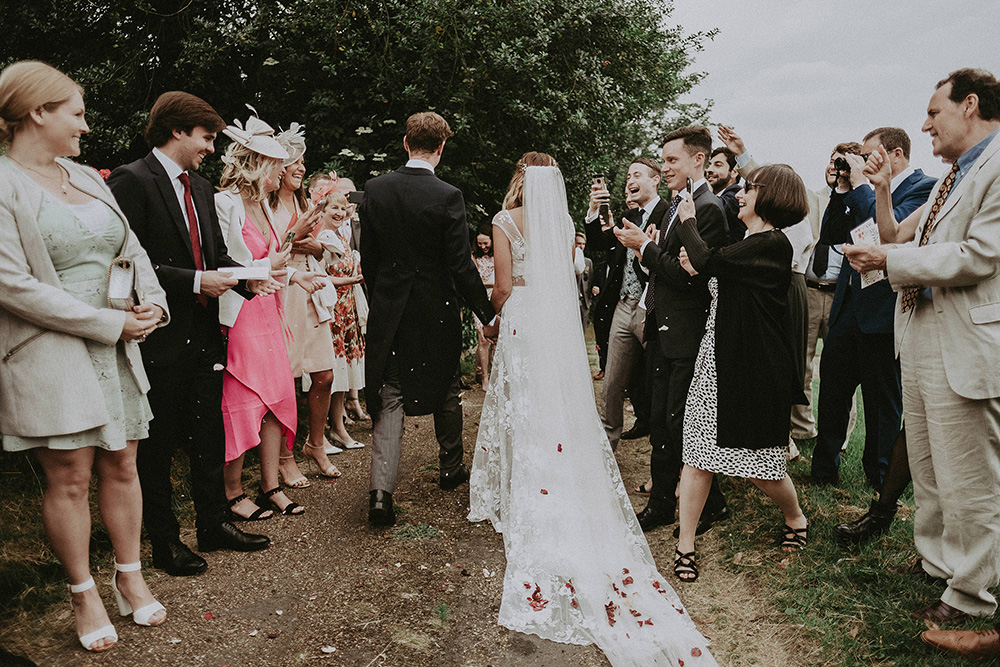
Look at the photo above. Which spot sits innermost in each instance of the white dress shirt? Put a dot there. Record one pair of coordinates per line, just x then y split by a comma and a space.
173, 173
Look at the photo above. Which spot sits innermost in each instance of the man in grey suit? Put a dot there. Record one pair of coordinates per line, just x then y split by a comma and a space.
947, 327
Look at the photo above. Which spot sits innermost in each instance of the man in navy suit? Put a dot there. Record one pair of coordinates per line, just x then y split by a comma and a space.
859, 348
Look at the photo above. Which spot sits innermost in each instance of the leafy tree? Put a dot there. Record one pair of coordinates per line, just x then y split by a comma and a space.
593, 82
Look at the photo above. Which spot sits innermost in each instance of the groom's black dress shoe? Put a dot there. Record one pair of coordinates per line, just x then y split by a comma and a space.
657, 513
707, 521
177, 560
380, 512
875, 521
461, 474
228, 536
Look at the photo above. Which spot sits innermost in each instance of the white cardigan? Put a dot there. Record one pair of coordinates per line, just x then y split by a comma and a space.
232, 217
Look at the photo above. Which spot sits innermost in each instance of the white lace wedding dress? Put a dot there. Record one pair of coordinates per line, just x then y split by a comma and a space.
579, 570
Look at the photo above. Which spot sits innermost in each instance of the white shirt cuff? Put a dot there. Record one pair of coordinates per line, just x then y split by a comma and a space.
742, 160
197, 282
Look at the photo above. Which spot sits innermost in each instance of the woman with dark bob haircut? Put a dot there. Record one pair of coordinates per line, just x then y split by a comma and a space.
745, 377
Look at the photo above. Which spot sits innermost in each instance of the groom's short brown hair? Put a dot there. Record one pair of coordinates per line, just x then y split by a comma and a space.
425, 131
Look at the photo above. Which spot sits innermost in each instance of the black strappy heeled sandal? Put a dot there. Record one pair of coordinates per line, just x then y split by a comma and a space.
260, 514
794, 539
291, 509
684, 566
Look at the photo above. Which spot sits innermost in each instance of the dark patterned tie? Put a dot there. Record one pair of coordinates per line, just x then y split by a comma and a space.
910, 293
649, 302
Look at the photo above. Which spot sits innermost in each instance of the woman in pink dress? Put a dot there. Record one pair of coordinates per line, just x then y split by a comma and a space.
258, 393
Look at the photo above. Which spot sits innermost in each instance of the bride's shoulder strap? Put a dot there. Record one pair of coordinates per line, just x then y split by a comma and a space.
505, 222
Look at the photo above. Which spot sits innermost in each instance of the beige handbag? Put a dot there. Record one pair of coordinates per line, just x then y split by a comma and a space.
122, 293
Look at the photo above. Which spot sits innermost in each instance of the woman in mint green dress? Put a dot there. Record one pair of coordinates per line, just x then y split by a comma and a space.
72, 386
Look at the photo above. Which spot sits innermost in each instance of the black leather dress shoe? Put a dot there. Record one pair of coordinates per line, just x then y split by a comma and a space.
657, 514
638, 430
228, 536
449, 482
707, 521
380, 512
874, 522
177, 560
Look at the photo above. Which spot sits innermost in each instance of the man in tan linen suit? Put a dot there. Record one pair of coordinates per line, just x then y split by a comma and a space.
948, 341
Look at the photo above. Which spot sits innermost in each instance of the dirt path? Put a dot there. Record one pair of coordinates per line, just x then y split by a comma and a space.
331, 591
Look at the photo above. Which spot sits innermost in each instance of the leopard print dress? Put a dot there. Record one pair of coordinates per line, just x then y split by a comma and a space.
701, 448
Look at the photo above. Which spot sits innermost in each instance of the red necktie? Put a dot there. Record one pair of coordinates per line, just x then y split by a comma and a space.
193, 229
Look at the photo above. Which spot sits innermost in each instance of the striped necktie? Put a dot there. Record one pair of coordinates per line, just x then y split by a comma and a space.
910, 293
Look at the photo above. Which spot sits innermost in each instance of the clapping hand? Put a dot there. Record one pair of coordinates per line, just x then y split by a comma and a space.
877, 169
631, 236
732, 140
308, 281
270, 285
686, 262
305, 224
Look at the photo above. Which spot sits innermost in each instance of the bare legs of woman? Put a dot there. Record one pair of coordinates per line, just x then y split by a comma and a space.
353, 407
483, 358
694, 488
272, 443
319, 406
337, 429
66, 515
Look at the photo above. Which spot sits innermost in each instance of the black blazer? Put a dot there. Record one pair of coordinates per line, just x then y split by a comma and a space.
681, 301
145, 194
601, 240
417, 261
757, 376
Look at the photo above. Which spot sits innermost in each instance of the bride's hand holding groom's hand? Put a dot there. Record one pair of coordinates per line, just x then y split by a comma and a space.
492, 330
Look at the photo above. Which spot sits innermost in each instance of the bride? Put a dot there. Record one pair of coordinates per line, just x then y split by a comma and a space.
579, 570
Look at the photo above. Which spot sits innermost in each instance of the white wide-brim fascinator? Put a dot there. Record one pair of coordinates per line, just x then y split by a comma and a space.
293, 140
257, 135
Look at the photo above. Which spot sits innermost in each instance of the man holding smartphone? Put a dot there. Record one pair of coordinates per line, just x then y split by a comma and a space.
676, 309
619, 303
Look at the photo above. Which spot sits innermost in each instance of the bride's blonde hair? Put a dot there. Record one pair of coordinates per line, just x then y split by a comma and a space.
515, 191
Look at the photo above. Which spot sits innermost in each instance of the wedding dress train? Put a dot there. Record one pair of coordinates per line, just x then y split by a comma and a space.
579, 570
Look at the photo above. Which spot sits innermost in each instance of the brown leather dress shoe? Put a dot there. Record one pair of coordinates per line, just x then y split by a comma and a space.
940, 613
966, 643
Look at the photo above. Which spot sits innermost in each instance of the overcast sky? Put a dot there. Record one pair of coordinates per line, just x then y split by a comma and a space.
796, 78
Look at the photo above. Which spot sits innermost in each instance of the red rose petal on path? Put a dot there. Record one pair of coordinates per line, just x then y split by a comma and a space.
680, 663
527, 585
656, 585
624, 570
545, 492
514, 332
627, 580
208, 616
558, 448
359, 585
635, 612
696, 652
648, 621
272, 635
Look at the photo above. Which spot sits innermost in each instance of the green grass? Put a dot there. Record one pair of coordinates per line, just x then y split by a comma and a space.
855, 600
416, 531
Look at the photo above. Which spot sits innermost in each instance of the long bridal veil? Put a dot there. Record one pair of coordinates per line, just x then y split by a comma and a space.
579, 569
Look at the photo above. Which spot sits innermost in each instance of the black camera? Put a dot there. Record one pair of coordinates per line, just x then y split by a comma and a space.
841, 164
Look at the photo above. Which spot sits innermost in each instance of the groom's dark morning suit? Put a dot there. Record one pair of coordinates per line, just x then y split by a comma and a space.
183, 360
673, 335
417, 262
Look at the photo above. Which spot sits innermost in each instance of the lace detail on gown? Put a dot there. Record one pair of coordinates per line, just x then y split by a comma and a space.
579, 570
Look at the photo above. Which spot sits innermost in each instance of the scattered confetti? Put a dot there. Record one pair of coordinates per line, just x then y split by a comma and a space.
328, 649
208, 616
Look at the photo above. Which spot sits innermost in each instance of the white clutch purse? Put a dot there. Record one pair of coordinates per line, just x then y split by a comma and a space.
122, 293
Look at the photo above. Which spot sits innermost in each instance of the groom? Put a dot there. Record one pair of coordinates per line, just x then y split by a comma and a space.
416, 259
